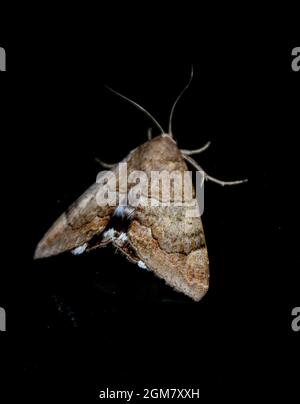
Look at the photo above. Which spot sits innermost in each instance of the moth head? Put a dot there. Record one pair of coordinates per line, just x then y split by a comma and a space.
167, 135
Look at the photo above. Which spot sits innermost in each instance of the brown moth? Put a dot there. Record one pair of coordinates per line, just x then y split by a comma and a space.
163, 239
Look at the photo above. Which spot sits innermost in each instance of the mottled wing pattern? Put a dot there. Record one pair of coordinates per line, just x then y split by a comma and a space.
75, 227
175, 250
165, 238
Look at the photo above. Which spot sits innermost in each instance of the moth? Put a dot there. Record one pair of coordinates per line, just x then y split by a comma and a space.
163, 238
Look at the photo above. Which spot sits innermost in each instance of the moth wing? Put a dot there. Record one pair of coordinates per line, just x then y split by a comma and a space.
173, 246
76, 226
82, 221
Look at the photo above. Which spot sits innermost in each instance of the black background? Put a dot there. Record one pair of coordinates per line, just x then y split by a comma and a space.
77, 324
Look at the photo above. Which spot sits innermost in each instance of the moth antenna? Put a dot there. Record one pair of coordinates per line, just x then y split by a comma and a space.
177, 99
104, 164
137, 106
208, 177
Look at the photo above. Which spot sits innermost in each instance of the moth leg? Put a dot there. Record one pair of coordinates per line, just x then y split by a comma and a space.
103, 164
196, 151
223, 183
122, 245
149, 133
208, 177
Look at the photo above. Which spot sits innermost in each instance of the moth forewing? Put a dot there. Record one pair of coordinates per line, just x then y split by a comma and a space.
76, 226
